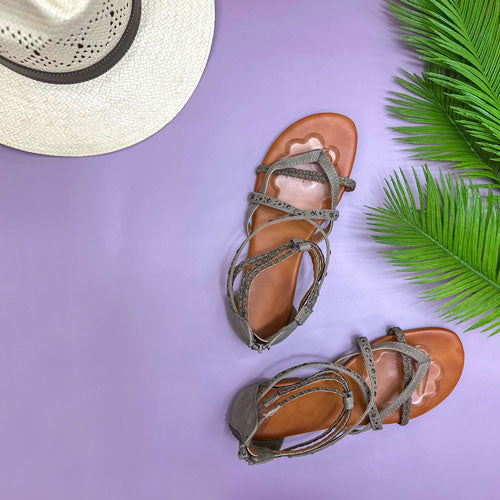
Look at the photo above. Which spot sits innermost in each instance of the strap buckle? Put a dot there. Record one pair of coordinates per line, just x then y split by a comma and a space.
302, 245
348, 400
303, 314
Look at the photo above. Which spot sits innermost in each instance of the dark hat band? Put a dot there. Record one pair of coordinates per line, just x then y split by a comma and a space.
93, 71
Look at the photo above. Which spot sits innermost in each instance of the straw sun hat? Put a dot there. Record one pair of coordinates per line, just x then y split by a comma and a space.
86, 77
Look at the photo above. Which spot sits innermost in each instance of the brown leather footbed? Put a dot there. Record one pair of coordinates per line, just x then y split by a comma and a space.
318, 410
272, 292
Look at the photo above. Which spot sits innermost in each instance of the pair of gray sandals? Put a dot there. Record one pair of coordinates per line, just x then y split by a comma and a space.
256, 404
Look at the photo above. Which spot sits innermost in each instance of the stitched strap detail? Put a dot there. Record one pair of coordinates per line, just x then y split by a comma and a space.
366, 351
413, 353
423, 361
309, 175
270, 201
318, 156
407, 370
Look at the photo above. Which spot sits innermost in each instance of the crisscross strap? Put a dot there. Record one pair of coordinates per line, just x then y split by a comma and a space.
366, 349
256, 199
286, 166
267, 404
309, 175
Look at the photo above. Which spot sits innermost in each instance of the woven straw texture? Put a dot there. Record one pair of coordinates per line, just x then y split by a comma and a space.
60, 37
129, 103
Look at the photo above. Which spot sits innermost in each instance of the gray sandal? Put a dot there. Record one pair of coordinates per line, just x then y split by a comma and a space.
252, 267
341, 398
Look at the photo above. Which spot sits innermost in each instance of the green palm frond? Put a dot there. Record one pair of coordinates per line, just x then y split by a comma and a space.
448, 237
460, 40
436, 135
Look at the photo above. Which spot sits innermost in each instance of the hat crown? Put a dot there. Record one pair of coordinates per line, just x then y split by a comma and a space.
61, 36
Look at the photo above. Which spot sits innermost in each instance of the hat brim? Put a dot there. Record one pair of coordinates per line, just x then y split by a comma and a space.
136, 98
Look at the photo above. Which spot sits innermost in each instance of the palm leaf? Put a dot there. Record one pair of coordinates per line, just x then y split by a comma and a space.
437, 135
447, 237
460, 40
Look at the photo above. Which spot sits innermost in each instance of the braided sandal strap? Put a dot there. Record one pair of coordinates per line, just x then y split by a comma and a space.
309, 175
255, 265
407, 370
366, 351
256, 199
286, 166
266, 404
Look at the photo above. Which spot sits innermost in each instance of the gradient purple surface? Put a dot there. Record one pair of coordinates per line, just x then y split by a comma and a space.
117, 362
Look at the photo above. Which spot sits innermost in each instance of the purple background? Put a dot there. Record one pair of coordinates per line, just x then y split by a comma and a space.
117, 362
